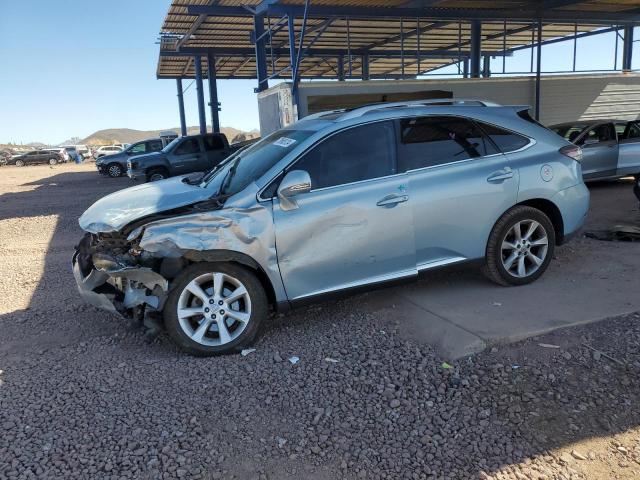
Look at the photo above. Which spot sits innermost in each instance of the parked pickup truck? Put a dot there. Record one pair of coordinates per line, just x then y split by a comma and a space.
610, 148
193, 153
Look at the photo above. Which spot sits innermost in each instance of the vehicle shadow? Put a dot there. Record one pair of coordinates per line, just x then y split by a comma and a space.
42, 216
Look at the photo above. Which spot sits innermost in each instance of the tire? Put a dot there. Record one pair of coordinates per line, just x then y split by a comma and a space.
526, 261
114, 170
156, 174
19, 163
187, 330
52, 161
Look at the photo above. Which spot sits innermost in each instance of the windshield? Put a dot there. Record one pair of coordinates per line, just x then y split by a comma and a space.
251, 163
171, 145
570, 131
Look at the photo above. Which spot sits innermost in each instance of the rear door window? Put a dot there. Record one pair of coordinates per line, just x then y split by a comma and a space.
154, 145
139, 148
505, 140
352, 155
213, 143
438, 140
189, 145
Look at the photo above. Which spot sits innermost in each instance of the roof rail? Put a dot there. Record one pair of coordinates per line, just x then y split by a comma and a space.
359, 111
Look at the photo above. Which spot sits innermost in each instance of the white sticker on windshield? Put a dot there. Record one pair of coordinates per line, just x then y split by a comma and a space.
284, 142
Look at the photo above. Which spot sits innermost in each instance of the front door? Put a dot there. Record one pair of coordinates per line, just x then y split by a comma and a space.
460, 184
599, 151
214, 150
355, 226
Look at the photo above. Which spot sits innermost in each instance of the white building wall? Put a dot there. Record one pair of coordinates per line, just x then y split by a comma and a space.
564, 98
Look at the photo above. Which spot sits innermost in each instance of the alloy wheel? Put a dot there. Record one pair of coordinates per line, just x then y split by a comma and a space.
214, 309
156, 177
114, 171
52, 161
524, 248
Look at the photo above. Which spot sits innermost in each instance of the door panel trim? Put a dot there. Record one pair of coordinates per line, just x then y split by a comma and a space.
372, 280
440, 263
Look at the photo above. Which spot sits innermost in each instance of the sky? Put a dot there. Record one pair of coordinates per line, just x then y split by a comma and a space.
71, 67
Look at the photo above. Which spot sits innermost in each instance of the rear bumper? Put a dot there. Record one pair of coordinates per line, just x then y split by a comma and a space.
573, 203
118, 290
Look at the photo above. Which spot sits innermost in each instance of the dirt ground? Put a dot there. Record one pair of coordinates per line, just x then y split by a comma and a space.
82, 396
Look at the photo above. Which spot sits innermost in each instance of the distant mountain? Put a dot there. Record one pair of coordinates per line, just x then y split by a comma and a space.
128, 135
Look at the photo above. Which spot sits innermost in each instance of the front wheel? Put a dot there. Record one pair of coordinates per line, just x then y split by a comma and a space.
52, 161
215, 308
156, 174
114, 170
520, 246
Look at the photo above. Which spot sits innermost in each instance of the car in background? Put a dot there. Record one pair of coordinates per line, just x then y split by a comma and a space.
115, 165
107, 150
33, 157
351, 199
192, 153
610, 148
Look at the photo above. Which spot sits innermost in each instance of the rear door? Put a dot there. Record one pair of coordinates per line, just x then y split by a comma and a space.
187, 157
214, 150
460, 184
600, 151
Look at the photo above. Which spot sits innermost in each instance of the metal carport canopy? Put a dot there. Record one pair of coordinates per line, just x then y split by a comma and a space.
367, 38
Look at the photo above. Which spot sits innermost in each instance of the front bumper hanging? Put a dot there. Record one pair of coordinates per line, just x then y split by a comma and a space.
121, 289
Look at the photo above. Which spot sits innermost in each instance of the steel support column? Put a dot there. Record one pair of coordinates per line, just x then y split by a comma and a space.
292, 43
341, 68
197, 62
213, 93
627, 48
486, 66
465, 68
538, 68
261, 53
183, 121
365, 67
476, 47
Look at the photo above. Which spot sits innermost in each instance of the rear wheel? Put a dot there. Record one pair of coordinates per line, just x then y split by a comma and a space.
520, 246
19, 163
114, 170
156, 174
215, 308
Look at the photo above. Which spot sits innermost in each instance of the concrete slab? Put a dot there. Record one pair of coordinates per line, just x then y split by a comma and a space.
460, 312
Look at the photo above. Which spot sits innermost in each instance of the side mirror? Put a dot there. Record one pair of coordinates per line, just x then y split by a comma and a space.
294, 183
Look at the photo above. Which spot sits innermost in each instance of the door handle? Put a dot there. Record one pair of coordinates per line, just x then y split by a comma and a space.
500, 175
392, 200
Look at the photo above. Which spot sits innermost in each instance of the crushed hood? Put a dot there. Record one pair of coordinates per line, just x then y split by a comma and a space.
111, 213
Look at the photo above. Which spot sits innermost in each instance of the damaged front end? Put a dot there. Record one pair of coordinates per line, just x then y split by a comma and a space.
115, 275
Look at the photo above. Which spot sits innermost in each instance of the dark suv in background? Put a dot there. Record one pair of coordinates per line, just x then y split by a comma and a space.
51, 157
193, 153
116, 165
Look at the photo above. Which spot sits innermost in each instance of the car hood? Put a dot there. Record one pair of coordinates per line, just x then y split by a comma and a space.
111, 213
147, 156
111, 157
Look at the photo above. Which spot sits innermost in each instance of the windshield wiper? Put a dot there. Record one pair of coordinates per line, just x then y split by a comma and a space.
228, 176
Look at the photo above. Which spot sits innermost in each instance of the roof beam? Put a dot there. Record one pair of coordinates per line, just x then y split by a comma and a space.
524, 14
199, 21
320, 52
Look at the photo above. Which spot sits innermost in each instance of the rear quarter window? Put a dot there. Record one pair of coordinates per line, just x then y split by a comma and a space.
505, 140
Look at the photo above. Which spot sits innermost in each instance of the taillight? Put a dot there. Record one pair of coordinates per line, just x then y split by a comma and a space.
572, 151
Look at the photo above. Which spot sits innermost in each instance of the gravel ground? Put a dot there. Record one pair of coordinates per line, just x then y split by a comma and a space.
81, 396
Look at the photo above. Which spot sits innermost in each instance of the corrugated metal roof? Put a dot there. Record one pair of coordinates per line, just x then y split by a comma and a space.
383, 38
